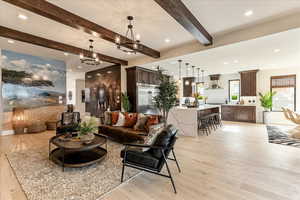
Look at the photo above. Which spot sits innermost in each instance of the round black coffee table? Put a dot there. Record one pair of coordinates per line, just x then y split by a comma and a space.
72, 153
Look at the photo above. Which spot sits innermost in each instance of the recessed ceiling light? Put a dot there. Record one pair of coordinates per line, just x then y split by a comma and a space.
167, 40
226, 63
66, 54
95, 34
109, 72
22, 16
138, 36
98, 74
276, 50
248, 13
235, 61
79, 67
10, 41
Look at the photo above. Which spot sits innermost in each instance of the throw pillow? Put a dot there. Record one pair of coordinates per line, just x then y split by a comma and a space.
141, 122
154, 131
121, 120
114, 117
130, 119
107, 118
152, 120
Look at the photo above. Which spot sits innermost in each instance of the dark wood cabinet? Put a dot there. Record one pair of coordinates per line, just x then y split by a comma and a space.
248, 83
239, 113
188, 88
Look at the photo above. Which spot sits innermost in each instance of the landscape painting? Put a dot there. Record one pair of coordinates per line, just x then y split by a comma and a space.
31, 82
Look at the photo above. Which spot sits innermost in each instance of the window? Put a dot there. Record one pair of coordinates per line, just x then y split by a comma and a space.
234, 90
285, 88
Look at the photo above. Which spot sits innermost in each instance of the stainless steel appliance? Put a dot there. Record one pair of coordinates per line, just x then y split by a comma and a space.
145, 98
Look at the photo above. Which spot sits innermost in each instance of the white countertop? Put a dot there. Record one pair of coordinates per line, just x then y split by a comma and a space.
201, 107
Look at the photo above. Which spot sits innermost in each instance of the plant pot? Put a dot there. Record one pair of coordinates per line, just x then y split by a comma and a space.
266, 117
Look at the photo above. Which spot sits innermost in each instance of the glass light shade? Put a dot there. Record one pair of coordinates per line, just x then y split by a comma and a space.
118, 39
186, 82
81, 56
94, 55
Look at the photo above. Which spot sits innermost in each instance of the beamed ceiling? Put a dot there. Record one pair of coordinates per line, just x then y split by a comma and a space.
152, 22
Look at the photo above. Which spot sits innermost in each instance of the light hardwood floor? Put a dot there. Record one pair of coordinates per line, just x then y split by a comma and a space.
233, 163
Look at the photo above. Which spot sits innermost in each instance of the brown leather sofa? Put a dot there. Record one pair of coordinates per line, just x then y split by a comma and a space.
126, 135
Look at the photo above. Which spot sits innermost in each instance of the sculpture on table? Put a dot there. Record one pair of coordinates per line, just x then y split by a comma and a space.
295, 118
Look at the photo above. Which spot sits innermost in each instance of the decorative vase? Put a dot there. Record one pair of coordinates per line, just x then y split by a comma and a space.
87, 138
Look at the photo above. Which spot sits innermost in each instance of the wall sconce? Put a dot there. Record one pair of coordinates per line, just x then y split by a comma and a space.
18, 120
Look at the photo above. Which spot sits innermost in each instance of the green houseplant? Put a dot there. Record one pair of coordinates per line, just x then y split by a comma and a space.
125, 102
166, 98
266, 101
87, 128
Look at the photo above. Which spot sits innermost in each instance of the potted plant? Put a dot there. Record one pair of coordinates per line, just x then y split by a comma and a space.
266, 101
166, 98
125, 102
86, 129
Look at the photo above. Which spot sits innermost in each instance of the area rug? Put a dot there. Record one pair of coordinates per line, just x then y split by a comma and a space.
280, 135
41, 179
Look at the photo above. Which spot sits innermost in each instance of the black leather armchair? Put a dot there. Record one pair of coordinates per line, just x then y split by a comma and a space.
155, 157
68, 123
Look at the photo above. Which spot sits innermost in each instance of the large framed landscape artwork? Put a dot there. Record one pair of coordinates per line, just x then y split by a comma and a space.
35, 84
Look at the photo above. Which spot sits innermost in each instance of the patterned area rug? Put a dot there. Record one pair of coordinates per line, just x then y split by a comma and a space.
41, 179
280, 135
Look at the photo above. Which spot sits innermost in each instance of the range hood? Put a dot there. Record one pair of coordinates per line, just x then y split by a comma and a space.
214, 82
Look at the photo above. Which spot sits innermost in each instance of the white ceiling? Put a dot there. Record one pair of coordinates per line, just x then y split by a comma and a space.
151, 22
281, 50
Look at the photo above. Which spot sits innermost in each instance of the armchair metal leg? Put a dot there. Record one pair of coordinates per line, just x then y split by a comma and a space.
176, 160
123, 168
169, 172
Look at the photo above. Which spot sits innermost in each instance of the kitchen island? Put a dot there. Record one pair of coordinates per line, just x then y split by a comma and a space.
185, 119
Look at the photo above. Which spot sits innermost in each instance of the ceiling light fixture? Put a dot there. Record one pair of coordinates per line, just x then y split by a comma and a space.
187, 73
22, 16
276, 50
226, 63
248, 13
94, 60
66, 54
179, 70
10, 41
134, 43
193, 83
167, 40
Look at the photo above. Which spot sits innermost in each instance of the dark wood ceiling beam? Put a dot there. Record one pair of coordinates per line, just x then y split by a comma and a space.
60, 15
28, 38
182, 15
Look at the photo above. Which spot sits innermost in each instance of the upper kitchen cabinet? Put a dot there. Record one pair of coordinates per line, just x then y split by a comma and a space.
248, 83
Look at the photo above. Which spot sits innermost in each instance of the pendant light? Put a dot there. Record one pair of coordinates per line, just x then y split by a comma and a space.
187, 82
179, 70
193, 83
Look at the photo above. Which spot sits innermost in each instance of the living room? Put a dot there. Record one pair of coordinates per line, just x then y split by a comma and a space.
112, 106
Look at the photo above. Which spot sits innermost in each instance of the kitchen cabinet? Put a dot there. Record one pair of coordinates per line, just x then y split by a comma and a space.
248, 83
239, 113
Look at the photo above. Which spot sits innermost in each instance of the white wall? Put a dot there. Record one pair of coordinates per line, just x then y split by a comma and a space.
263, 85
71, 85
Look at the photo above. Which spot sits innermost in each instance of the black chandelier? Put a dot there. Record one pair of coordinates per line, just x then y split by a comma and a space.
94, 60
131, 42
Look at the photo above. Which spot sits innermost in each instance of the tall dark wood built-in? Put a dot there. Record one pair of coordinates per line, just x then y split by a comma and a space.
139, 75
248, 83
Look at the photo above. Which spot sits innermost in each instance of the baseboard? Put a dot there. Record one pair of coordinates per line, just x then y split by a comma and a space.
7, 132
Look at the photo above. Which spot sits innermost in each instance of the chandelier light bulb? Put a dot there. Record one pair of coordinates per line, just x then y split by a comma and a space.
94, 55
118, 39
